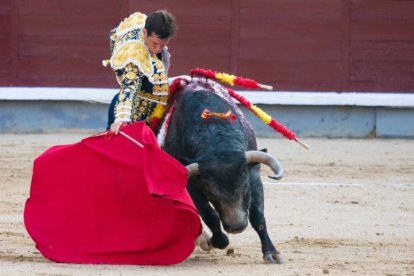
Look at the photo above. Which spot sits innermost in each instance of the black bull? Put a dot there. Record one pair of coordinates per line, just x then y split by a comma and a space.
224, 164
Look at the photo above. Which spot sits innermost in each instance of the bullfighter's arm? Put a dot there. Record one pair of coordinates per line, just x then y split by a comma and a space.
131, 81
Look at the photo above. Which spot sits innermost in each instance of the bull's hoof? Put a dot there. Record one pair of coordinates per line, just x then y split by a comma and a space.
273, 258
204, 241
219, 241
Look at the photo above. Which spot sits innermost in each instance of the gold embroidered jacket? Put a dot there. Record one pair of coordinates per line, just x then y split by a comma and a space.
141, 75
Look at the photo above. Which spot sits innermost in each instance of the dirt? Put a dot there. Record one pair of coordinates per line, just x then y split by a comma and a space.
344, 207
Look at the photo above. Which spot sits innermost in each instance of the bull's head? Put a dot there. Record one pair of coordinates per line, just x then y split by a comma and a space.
224, 180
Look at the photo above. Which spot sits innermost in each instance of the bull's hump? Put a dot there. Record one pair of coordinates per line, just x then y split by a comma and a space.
209, 88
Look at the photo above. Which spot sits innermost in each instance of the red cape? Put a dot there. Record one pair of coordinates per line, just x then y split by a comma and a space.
109, 201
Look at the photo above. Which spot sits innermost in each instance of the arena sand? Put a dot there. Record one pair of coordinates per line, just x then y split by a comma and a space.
345, 207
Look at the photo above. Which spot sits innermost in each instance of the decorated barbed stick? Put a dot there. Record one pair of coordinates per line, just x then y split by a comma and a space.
248, 83
177, 84
266, 118
230, 79
162, 134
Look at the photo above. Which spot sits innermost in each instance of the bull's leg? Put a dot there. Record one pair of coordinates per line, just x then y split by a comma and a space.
257, 219
210, 217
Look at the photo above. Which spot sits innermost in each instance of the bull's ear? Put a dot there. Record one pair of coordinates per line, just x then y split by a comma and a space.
264, 150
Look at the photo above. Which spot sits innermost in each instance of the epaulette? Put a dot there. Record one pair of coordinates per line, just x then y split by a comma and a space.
132, 22
135, 52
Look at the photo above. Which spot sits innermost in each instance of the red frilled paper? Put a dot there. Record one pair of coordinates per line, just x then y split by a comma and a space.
109, 201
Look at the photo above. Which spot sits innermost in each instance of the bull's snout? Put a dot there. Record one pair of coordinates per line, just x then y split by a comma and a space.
235, 228
233, 218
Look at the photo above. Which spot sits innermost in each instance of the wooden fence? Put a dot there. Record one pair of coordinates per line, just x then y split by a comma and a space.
295, 45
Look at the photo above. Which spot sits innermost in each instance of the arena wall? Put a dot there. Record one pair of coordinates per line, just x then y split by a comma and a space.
335, 115
301, 45
311, 49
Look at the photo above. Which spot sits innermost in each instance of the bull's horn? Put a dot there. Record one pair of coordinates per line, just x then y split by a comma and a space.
192, 169
255, 156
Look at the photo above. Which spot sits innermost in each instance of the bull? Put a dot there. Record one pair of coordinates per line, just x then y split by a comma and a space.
223, 163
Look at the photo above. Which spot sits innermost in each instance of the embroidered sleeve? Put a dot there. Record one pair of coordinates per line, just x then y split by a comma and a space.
131, 81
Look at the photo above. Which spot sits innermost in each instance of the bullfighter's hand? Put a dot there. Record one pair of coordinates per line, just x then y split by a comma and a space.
115, 127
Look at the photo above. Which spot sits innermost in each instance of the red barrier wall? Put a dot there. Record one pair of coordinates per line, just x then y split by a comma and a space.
297, 45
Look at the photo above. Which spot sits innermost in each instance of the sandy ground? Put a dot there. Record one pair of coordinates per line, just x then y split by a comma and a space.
344, 207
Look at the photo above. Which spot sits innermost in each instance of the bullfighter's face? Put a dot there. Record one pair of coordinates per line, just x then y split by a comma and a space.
153, 42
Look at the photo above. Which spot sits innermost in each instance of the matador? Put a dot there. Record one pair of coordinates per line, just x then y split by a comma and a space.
140, 59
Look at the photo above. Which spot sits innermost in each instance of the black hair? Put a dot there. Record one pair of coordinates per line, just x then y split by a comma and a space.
161, 23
